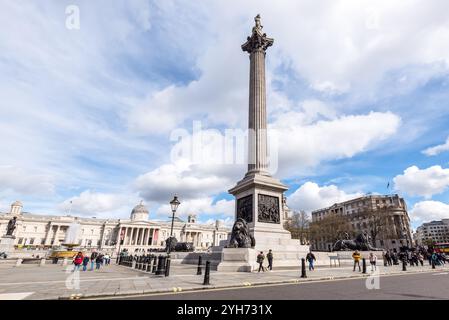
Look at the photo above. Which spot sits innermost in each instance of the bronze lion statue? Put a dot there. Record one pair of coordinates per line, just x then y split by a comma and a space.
240, 236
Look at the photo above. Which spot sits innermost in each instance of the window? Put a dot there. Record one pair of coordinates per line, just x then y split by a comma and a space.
20, 241
35, 229
31, 241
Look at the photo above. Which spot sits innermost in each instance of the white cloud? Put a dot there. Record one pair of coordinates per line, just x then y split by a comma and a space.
21, 181
160, 184
426, 211
425, 182
199, 206
433, 151
305, 146
310, 196
98, 204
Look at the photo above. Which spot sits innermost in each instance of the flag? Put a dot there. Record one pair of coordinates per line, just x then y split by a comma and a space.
388, 185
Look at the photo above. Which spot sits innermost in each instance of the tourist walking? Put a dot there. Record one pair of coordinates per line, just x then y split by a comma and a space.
77, 261
372, 261
270, 260
356, 256
99, 261
421, 259
85, 263
106, 259
93, 256
388, 258
260, 259
310, 258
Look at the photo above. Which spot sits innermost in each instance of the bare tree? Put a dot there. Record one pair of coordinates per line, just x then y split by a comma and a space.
298, 225
330, 229
379, 224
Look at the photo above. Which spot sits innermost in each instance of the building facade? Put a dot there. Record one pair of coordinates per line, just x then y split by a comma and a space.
432, 232
361, 214
137, 233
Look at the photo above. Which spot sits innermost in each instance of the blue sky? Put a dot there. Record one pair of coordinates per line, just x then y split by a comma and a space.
357, 97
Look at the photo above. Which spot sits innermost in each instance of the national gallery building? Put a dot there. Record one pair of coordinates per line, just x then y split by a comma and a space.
137, 233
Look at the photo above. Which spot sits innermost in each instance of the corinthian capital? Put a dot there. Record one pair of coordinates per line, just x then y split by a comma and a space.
258, 39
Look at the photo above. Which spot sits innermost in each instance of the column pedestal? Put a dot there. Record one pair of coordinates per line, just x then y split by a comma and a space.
237, 260
7, 244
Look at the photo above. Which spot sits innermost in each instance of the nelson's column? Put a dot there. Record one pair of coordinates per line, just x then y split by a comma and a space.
259, 195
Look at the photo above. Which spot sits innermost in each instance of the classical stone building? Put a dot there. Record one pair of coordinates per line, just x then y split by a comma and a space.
394, 226
434, 231
35, 231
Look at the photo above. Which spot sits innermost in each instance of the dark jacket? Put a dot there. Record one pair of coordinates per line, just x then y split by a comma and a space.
310, 257
270, 256
99, 259
85, 260
260, 258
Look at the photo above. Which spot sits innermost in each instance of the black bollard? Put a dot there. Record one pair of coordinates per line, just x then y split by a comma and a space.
303, 268
198, 271
363, 265
161, 266
433, 264
167, 267
207, 274
404, 265
155, 263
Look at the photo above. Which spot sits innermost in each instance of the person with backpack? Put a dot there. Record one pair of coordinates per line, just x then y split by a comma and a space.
270, 260
356, 256
85, 262
260, 259
77, 261
93, 257
310, 257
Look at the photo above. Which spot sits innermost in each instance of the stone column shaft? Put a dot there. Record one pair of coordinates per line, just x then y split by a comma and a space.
257, 124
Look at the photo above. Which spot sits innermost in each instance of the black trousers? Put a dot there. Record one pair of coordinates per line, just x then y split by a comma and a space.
270, 264
261, 267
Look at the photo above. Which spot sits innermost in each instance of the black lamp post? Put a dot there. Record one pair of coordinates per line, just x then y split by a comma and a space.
174, 206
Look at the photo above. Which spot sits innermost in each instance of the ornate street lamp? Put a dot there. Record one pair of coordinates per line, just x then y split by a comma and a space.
174, 206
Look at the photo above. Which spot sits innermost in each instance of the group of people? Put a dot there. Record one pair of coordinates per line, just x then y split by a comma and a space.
96, 260
356, 256
261, 258
310, 258
415, 257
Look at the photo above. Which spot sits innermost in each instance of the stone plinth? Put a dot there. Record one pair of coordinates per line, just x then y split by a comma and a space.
238, 260
7, 244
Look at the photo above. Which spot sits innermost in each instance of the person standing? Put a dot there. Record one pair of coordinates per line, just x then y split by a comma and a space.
310, 258
270, 260
85, 262
388, 258
372, 261
77, 261
106, 259
260, 259
421, 259
93, 257
356, 256
99, 261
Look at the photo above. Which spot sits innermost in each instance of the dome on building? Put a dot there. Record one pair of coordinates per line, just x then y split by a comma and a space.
16, 208
139, 212
17, 204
